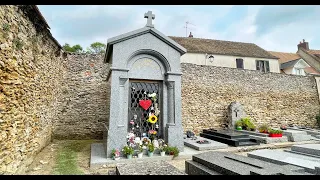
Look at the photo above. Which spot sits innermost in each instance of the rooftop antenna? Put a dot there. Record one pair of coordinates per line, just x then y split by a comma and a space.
187, 27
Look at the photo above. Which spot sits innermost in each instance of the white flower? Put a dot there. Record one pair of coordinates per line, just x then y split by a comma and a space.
145, 93
149, 95
153, 94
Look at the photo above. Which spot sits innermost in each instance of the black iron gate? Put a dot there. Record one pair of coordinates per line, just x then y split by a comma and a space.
141, 90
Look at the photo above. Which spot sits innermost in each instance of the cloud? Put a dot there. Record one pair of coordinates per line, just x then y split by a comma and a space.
276, 28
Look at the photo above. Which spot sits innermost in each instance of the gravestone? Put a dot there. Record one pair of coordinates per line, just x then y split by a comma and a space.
235, 112
143, 62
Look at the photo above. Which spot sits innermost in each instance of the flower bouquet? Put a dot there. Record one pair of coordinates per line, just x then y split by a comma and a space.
140, 152
163, 149
150, 149
115, 154
128, 150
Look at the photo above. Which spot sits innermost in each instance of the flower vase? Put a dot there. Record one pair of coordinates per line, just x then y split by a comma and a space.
140, 155
129, 156
162, 153
150, 154
115, 158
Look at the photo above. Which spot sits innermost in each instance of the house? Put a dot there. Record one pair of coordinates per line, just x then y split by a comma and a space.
303, 62
227, 54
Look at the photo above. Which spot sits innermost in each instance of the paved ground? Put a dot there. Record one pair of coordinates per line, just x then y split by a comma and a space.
75, 155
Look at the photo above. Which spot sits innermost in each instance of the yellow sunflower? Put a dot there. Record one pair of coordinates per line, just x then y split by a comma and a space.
153, 119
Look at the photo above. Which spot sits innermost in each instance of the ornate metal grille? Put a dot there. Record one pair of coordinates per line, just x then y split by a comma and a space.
139, 90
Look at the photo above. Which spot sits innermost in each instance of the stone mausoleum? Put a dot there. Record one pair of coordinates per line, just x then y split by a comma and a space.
144, 87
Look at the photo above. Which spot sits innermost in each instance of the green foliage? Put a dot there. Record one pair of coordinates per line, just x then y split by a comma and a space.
97, 48
6, 27
318, 119
128, 150
238, 123
263, 128
247, 124
18, 44
150, 147
172, 151
67, 158
274, 131
76, 48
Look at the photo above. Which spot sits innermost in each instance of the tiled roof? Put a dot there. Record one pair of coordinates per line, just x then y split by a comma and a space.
199, 45
314, 52
288, 64
285, 57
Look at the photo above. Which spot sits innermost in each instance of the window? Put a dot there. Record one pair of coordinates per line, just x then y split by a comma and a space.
239, 63
262, 66
299, 71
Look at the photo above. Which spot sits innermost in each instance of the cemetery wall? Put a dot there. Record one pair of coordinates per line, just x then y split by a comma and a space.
271, 98
83, 106
31, 73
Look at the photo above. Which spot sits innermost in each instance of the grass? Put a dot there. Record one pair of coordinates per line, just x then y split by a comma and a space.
66, 162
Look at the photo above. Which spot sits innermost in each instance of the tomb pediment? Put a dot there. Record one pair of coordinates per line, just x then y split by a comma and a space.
139, 32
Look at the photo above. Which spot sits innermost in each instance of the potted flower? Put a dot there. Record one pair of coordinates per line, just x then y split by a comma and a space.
238, 125
115, 154
140, 152
150, 149
173, 151
163, 149
263, 128
275, 133
128, 150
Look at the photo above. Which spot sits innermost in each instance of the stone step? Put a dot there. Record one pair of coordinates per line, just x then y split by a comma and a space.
195, 168
313, 149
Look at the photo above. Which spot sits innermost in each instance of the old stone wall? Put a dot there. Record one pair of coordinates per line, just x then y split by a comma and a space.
31, 73
83, 107
270, 98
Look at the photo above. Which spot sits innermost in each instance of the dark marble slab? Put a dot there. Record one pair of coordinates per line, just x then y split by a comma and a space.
148, 168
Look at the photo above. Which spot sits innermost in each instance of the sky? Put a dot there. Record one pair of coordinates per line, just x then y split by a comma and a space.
274, 28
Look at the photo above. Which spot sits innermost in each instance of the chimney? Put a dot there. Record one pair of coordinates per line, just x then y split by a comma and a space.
304, 45
190, 35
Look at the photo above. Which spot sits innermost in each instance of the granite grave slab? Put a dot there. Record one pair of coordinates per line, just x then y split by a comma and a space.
282, 158
148, 168
201, 147
231, 164
296, 136
313, 149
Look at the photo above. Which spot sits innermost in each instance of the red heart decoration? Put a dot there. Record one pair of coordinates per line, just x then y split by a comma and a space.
145, 104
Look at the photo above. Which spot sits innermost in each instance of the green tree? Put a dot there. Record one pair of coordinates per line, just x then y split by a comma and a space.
97, 47
76, 48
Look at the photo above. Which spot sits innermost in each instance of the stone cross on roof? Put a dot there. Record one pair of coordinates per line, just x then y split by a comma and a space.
150, 17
